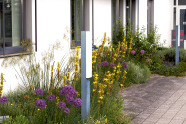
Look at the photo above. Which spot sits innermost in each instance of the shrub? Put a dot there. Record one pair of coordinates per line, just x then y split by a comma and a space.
169, 54
168, 69
137, 73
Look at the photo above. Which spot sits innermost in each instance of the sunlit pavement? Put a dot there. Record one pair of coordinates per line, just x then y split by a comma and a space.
161, 100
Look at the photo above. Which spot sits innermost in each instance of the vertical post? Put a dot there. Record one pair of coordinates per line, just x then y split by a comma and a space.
177, 44
86, 72
86, 59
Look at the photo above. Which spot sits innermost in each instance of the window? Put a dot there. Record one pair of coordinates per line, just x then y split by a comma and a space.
10, 26
181, 2
175, 2
150, 15
117, 16
75, 23
174, 18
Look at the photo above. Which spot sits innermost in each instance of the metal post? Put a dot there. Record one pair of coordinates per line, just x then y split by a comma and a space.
177, 44
86, 72
86, 59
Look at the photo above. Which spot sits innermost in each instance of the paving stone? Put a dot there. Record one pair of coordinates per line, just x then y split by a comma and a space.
180, 115
160, 111
177, 121
148, 122
164, 106
161, 98
184, 121
137, 120
163, 121
169, 114
144, 116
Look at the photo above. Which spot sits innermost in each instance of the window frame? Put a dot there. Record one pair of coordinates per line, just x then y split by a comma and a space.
13, 50
74, 43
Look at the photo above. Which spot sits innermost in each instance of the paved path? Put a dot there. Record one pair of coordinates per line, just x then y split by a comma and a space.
162, 100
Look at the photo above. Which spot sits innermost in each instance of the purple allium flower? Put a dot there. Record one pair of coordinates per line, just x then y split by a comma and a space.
51, 97
74, 93
68, 90
62, 105
112, 65
125, 65
133, 52
40, 103
62, 92
142, 51
4, 99
39, 92
105, 63
67, 110
69, 99
77, 102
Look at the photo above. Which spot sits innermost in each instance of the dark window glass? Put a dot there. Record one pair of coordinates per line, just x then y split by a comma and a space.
75, 22
127, 11
183, 21
10, 26
181, 2
117, 17
174, 2
174, 18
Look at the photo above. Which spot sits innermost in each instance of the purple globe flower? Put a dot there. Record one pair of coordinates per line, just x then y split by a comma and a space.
62, 105
40, 103
3, 99
73, 93
142, 51
51, 97
133, 52
67, 110
125, 65
78, 102
70, 99
39, 92
112, 65
105, 63
62, 92
68, 90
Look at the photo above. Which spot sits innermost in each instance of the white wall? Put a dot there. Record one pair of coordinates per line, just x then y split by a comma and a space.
163, 18
53, 24
143, 14
102, 20
10, 74
53, 21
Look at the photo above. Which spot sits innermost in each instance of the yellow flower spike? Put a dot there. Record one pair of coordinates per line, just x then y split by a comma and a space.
94, 90
106, 120
38, 109
101, 97
121, 85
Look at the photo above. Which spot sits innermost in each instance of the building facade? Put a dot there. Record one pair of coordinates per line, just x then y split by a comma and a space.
47, 21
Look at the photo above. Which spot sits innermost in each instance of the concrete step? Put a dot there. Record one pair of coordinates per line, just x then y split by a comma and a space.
3, 118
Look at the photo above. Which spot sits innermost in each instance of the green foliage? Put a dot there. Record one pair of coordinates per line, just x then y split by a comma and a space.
118, 34
137, 73
18, 120
169, 54
169, 70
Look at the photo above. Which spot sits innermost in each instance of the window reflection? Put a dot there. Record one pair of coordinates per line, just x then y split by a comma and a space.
181, 2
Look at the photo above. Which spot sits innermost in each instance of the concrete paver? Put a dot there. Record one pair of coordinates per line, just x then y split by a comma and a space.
161, 100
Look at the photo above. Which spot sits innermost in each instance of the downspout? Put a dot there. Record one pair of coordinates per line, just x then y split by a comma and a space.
36, 25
